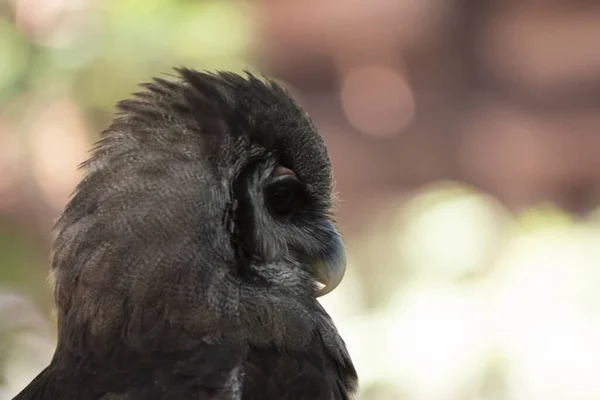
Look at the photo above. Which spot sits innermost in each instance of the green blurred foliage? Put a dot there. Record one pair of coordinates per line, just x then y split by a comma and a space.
96, 56
105, 51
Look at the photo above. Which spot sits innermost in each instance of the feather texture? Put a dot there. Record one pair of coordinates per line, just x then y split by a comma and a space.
174, 277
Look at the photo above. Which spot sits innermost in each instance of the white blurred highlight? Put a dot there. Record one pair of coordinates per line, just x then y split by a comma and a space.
449, 233
535, 307
27, 352
435, 341
547, 317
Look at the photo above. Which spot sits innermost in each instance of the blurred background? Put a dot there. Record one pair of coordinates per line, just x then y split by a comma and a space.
465, 138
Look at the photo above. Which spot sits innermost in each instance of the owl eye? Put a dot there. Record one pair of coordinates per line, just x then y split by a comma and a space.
284, 195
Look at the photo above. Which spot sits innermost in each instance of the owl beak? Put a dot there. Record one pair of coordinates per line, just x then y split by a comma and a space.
329, 271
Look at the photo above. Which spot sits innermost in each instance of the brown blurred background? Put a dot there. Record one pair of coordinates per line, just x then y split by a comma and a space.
465, 138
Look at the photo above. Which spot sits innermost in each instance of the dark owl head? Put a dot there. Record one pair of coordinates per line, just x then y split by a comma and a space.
207, 208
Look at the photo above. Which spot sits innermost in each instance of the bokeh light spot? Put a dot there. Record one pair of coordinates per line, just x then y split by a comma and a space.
377, 100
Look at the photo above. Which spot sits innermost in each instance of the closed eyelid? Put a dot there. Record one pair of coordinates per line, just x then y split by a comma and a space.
282, 171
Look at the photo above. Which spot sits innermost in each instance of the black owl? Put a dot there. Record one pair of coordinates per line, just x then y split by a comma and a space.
187, 264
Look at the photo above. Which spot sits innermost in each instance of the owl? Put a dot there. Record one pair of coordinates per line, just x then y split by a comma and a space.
189, 260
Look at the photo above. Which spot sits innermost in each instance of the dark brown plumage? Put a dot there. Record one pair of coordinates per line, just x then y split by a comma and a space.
186, 263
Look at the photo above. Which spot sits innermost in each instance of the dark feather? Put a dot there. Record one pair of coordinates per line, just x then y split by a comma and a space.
174, 280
